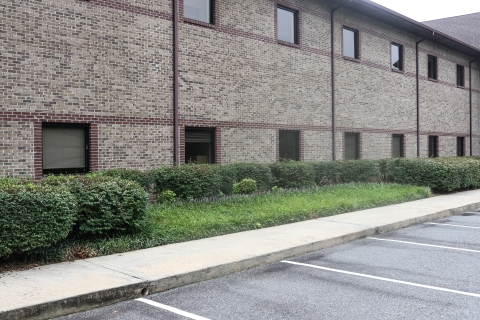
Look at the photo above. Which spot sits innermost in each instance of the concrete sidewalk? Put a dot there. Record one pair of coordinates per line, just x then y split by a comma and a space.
69, 287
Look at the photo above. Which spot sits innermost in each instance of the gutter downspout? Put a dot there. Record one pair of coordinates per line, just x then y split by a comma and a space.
418, 93
470, 85
332, 58
176, 157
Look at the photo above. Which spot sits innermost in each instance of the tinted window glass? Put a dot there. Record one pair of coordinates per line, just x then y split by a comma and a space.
397, 59
198, 10
460, 146
433, 146
351, 146
350, 45
397, 147
199, 146
286, 25
289, 145
460, 76
432, 67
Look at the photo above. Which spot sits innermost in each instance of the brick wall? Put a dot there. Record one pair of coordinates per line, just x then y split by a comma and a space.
109, 63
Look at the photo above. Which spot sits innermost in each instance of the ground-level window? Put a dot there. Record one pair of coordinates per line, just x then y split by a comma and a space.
289, 145
433, 146
199, 145
200, 10
65, 148
352, 146
460, 146
397, 146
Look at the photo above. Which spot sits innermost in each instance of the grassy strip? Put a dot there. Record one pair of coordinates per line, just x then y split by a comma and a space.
184, 221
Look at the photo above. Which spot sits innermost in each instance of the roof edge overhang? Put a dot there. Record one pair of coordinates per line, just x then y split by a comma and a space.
395, 19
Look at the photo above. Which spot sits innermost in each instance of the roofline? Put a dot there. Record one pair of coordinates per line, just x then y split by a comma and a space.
415, 27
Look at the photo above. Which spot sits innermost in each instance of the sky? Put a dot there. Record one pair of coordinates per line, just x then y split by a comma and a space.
425, 10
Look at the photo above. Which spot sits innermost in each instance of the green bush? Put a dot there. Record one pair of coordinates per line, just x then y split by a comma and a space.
293, 174
246, 186
443, 174
33, 216
259, 172
166, 196
189, 181
105, 204
346, 171
143, 178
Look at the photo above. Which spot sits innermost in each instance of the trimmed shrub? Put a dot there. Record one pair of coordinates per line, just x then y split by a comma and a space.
105, 204
246, 186
346, 171
443, 174
189, 181
143, 178
33, 216
259, 172
293, 174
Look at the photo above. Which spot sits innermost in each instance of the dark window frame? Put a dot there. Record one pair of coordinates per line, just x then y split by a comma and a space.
298, 138
357, 144
296, 25
356, 43
460, 146
212, 141
432, 72
433, 144
402, 145
86, 126
460, 78
401, 57
211, 18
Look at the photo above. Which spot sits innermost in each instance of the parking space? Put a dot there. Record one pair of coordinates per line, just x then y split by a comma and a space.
429, 271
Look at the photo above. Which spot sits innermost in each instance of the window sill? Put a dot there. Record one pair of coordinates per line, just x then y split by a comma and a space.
289, 44
351, 59
398, 71
461, 87
199, 23
433, 80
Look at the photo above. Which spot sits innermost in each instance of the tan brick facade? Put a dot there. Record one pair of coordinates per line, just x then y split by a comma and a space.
109, 64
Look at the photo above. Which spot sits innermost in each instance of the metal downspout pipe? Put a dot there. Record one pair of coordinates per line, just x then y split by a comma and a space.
471, 116
176, 138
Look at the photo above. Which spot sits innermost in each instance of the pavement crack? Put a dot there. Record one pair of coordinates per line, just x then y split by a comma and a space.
116, 270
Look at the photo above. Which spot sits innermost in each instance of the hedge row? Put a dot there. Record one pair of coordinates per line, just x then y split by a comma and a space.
39, 214
192, 181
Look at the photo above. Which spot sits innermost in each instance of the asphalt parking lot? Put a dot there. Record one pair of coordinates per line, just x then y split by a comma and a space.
429, 271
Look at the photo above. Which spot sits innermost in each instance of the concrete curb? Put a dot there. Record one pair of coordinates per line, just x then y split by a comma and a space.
105, 297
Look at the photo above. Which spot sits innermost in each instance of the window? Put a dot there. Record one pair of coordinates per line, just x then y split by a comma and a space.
350, 43
65, 148
432, 146
397, 146
460, 146
289, 147
352, 146
199, 145
460, 76
397, 57
432, 67
200, 10
287, 25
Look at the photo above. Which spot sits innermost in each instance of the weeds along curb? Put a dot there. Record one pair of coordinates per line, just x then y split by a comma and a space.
143, 287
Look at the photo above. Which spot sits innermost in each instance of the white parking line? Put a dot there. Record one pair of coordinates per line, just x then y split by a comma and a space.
172, 309
425, 245
385, 279
452, 225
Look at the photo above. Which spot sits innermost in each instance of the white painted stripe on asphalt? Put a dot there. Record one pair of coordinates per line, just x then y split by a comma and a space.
385, 279
452, 225
172, 309
425, 245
